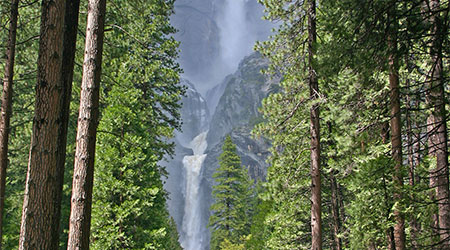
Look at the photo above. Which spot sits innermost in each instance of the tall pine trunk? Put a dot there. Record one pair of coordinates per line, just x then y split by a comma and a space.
6, 109
411, 143
437, 126
396, 136
43, 190
316, 206
69, 49
83, 176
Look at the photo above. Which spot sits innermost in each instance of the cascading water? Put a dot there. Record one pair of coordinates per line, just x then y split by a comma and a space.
235, 40
191, 237
215, 35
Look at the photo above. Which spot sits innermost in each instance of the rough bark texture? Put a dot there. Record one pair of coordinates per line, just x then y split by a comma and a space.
396, 136
69, 49
42, 201
81, 202
6, 109
437, 127
316, 219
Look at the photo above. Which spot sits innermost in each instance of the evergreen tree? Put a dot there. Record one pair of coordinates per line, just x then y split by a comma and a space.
21, 121
81, 202
366, 54
294, 52
139, 111
43, 190
230, 221
258, 231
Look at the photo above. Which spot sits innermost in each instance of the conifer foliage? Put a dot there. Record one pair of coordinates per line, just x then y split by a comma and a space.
136, 108
230, 222
383, 96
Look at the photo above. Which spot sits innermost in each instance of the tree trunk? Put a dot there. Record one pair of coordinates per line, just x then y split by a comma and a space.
437, 126
42, 200
335, 211
69, 49
396, 136
83, 175
411, 143
316, 220
6, 109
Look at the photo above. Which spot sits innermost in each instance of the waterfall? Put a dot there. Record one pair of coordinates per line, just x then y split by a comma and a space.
191, 237
235, 37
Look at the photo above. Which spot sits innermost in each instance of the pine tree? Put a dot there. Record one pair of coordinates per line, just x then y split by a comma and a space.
83, 177
27, 47
42, 200
316, 192
230, 220
139, 112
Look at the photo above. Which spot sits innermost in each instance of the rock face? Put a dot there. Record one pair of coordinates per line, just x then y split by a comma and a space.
199, 36
194, 114
236, 114
241, 99
210, 31
214, 36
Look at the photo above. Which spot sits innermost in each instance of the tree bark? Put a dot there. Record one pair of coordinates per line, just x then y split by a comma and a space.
42, 200
6, 109
69, 49
83, 176
437, 126
411, 144
316, 206
396, 136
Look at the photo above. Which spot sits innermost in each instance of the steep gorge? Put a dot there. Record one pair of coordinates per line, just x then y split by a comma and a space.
224, 93
236, 113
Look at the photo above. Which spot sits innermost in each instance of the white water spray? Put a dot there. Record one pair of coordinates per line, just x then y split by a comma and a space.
236, 40
192, 238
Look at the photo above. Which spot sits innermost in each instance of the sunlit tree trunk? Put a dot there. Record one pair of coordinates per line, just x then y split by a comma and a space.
81, 202
396, 135
316, 214
42, 200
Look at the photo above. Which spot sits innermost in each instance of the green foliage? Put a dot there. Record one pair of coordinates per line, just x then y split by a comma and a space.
140, 93
232, 211
22, 112
351, 62
258, 231
228, 245
140, 103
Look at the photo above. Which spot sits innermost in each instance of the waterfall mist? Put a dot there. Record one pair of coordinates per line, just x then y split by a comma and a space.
235, 40
192, 238
214, 35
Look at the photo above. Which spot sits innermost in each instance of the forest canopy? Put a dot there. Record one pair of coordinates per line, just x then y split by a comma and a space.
357, 126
